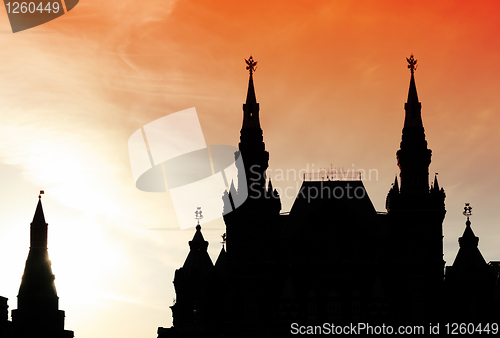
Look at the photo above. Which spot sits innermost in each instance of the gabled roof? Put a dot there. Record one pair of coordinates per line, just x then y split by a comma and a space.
323, 205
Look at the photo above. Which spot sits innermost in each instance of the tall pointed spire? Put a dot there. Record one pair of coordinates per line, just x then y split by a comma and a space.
414, 157
413, 117
251, 107
38, 235
412, 91
39, 217
252, 146
251, 99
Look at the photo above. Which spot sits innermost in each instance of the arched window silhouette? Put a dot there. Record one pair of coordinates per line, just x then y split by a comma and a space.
333, 306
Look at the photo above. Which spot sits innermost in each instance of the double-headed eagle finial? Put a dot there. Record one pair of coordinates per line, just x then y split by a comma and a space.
467, 213
199, 214
251, 65
412, 63
467, 210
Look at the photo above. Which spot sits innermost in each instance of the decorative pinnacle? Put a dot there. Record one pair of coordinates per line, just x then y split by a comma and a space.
412, 63
198, 214
41, 193
251, 65
467, 212
223, 239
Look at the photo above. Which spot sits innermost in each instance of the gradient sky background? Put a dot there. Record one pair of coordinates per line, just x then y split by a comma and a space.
72, 92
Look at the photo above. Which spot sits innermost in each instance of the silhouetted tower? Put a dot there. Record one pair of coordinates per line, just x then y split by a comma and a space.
251, 146
245, 231
416, 213
253, 227
193, 311
37, 313
414, 157
470, 281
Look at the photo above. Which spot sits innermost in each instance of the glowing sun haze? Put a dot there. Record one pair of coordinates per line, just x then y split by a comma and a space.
334, 72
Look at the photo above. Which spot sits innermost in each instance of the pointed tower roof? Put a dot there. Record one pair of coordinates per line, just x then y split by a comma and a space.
395, 187
198, 241
39, 217
37, 313
412, 92
39, 230
413, 156
413, 117
436, 184
251, 107
37, 289
198, 260
220, 264
469, 258
468, 239
251, 67
251, 99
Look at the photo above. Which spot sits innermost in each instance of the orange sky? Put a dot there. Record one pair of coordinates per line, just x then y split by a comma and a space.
333, 72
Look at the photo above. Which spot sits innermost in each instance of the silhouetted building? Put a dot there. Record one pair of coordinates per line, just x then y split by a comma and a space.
5, 324
37, 313
333, 258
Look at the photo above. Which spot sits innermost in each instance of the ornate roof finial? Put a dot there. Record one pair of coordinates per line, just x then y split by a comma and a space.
251, 65
41, 193
198, 214
467, 212
412, 63
223, 239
